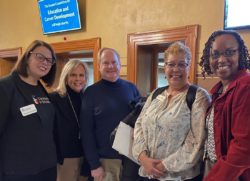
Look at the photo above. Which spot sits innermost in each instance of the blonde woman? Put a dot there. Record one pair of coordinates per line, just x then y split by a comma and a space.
67, 100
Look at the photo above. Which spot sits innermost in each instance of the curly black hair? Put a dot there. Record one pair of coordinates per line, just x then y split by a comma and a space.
244, 57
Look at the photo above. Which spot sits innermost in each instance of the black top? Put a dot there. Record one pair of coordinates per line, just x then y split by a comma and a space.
76, 99
67, 126
104, 105
26, 141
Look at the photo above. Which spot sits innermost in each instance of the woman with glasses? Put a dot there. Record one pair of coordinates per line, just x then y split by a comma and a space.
168, 135
228, 120
27, 149
68, 98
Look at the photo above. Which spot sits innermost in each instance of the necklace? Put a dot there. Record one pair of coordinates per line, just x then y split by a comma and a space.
177, 91
71, 104
224, 89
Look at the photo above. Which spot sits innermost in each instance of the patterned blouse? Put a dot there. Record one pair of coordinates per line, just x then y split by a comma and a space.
210, 143
166, 131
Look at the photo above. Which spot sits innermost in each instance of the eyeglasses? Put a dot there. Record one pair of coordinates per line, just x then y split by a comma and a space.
228, 53
41, 58
180, 66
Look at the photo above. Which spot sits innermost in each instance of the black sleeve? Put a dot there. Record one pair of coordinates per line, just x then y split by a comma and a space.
6, 92
54, 96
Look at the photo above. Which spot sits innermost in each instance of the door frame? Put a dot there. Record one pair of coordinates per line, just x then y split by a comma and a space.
93, 44
11, 52
188, 34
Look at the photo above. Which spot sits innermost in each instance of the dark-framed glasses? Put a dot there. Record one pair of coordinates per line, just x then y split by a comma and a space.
181, 65
227, 53
41, 58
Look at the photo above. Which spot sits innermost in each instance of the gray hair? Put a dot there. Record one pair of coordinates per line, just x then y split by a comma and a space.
178, 48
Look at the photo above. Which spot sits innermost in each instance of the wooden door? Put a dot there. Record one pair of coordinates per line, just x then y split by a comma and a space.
8, 58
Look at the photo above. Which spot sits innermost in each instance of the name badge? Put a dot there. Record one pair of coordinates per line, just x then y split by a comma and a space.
27, 110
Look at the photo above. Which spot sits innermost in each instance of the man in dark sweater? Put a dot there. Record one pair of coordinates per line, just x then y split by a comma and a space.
104, 105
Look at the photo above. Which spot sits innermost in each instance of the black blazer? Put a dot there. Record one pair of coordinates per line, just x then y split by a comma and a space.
67, 128
26, 143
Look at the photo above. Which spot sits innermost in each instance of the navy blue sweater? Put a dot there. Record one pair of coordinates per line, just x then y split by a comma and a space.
104, 105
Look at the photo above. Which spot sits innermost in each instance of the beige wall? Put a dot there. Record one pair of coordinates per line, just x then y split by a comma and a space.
112, 20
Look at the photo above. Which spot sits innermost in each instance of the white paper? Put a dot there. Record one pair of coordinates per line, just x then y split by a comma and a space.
124, 140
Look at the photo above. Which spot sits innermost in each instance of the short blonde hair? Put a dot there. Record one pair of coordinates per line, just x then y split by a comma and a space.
178, 48
67, 69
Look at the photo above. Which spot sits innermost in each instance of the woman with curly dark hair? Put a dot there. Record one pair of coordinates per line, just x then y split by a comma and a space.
228, 122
